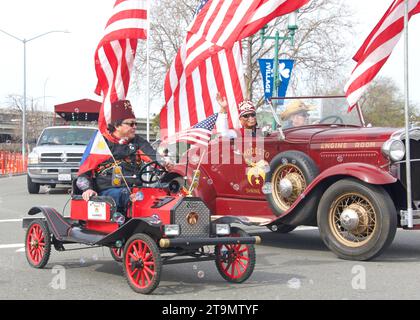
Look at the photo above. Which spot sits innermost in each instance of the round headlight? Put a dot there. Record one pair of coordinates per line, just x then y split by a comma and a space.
394, 150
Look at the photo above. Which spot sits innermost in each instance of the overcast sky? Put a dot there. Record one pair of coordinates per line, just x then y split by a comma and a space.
60, 65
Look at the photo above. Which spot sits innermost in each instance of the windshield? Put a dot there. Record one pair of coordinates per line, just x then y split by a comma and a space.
66, 136
294, 113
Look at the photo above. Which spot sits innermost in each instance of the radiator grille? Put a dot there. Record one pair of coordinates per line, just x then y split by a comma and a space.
193, 217
415, 170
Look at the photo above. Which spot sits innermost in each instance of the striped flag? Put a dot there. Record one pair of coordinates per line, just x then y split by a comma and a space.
377, 48
221, 23
200, 134
202, 67
114, 56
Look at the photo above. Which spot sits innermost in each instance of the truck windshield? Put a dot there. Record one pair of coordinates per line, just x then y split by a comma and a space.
66, 136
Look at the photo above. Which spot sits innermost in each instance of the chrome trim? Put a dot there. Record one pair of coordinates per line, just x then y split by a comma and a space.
400, 134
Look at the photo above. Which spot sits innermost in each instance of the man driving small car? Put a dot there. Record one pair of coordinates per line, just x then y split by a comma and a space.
130, 152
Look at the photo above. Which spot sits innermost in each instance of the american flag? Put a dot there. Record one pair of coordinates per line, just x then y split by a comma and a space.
114, 56
377, 48
223, 22
202, 68
199, 134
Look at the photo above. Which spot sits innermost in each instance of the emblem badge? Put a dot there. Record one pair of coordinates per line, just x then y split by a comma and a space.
192, 218
63, 157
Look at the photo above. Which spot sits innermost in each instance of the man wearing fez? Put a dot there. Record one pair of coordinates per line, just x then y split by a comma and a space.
247, 118
130, 151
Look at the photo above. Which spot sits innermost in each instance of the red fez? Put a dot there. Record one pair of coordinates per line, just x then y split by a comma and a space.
121, 110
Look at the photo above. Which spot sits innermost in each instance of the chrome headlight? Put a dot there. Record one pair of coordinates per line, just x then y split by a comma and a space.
222, 229
394, 150
33, 158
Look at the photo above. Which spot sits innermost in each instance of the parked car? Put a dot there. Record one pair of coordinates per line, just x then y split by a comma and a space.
56, 156
335, 172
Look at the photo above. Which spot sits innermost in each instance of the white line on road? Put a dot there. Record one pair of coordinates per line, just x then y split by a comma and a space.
11, 220
21, 250
14, 245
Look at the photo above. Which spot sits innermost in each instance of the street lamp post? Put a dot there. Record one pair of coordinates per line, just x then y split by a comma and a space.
292, 27
25, 41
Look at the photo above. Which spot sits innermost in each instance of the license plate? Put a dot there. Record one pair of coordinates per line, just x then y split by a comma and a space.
64, 177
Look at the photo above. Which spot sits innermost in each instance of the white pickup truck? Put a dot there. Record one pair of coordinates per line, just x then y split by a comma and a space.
56, 157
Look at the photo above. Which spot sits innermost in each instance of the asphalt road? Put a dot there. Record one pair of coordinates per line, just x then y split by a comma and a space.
293, 266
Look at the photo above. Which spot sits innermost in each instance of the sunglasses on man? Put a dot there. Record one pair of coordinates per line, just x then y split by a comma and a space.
131, 124
246, 116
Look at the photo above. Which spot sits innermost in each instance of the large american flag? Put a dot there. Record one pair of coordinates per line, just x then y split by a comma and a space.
210, 60
114, 56
377, 48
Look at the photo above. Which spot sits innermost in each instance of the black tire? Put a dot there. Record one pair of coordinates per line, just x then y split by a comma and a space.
224, 254
301, 166
116, 253
374, 219
38, 244
33, 188
283, 228
130, 270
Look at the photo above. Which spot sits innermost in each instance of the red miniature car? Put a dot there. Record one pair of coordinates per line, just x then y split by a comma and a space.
335, 172
162, 225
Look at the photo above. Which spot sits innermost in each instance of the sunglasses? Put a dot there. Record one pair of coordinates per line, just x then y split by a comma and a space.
246, 116
131, 124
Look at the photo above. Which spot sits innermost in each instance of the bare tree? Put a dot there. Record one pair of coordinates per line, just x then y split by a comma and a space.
324, 29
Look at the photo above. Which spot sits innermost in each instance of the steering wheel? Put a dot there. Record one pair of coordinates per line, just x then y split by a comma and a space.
151, 172
337, 118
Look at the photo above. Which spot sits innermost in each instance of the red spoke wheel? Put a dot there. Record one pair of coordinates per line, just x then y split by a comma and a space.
117, 253
142, 263
38, 244
235, 262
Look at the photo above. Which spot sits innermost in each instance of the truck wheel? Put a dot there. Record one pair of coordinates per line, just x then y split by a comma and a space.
235, 262
116, 253
290, 173
38, 244
142, 263
33, 188
356, 221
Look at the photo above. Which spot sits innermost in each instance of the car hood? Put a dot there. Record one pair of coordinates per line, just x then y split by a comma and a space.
59, 149
324, 134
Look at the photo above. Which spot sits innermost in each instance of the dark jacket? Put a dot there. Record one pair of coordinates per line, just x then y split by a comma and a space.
129, 157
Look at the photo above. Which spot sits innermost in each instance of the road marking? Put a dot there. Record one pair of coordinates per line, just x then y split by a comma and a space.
21, 250
9, 246
11, 220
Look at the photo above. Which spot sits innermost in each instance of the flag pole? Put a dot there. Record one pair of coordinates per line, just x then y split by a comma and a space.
407, 119
148, 72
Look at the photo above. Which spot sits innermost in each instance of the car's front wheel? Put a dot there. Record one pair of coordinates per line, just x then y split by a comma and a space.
356, 221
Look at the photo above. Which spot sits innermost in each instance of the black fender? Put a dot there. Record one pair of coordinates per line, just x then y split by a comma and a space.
57, 224
149, 226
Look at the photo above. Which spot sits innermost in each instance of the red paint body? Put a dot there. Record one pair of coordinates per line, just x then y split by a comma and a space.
337, 151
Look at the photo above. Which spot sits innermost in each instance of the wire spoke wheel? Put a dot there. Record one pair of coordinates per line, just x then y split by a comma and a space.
353, 219
38, 244
142, 263
356, 220
288, 184
235, 262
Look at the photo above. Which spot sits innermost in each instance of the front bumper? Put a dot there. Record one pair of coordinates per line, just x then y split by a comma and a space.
194, 242
47, 174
